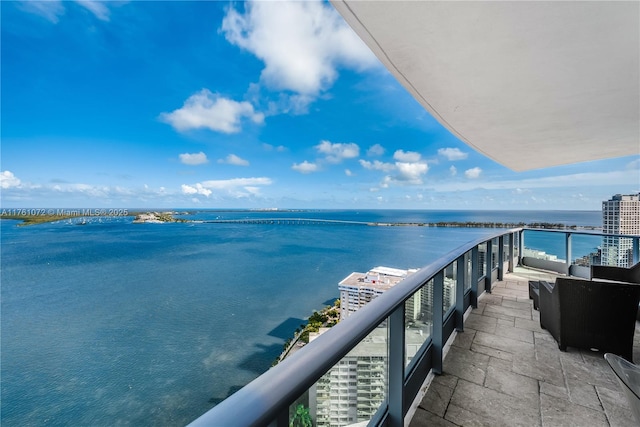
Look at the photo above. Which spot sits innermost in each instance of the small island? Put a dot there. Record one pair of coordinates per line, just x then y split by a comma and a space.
156, 218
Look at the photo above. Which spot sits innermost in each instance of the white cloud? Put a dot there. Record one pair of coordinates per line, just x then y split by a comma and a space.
98, 8
473, 173
411, 172
634, 164
269, 147
348, 172
305, 167
193, 159
375, 150
578, 180
232, 159
377, 165
97, 191
195, 189
452, 154
204, 110
235, 187
8, 180
406, 156
407, 172
52, 10
229, 184
337, 152
453, 171
300, 43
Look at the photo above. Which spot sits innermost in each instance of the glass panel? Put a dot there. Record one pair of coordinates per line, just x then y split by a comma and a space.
482, 263
586, 250
352, 390
506, 240
467, 271
516, 245
417, 320
494, 253
617, 251
449, 291
544, 245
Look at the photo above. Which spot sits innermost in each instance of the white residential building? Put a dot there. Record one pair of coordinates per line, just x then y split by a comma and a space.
620, 215
358, 289
355, 387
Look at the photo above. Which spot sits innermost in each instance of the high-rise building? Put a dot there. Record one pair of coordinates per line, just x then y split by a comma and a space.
620, 215
353, 389
358, 289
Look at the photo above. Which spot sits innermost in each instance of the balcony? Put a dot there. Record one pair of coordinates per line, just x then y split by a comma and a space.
500, 367
505, 370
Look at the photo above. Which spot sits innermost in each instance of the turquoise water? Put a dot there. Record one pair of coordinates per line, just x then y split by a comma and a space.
114, 323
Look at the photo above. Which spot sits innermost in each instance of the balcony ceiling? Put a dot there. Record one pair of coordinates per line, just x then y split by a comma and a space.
528, 84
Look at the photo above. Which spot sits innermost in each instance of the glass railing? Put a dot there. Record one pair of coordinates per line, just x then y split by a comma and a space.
369, 368
544, 245
574, 252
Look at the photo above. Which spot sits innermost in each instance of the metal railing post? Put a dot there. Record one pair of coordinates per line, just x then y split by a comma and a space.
460, 282
474, 277
282, 420
520, 247
501, 257
396, 367
511, 251
437, 330
489, 267
567, 237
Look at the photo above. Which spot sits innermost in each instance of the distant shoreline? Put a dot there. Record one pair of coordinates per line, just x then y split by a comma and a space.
164, 217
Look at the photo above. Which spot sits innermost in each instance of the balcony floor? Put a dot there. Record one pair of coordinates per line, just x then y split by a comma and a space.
504, 370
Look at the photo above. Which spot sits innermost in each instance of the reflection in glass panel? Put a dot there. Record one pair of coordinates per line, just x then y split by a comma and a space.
545, 245
617, 251
494, 253
586, 250
417, 320
516, 245
449, 291
467, 271
353, 389
506, 240
482, 256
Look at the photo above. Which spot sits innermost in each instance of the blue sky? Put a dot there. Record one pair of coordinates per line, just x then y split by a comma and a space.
237, 105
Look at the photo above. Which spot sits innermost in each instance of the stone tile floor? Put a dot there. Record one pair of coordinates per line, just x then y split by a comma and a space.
504, 370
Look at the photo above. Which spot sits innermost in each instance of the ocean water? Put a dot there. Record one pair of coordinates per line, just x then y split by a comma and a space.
114, 323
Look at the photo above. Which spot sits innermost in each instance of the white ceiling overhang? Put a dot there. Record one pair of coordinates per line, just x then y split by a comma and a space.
530, 84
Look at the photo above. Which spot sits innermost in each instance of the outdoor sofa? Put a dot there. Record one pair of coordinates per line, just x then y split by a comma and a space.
590, 314
618, 274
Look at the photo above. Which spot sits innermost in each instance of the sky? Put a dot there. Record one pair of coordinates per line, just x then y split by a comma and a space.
216, 105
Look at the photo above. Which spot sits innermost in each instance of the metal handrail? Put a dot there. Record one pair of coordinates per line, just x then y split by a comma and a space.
269, 396
263, 399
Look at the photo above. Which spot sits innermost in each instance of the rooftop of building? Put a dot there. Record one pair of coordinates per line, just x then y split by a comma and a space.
624, 197
378, 278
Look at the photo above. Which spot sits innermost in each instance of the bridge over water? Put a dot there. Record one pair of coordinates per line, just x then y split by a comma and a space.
289, 221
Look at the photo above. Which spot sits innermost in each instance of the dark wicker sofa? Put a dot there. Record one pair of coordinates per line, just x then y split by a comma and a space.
590, 314
618, 274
